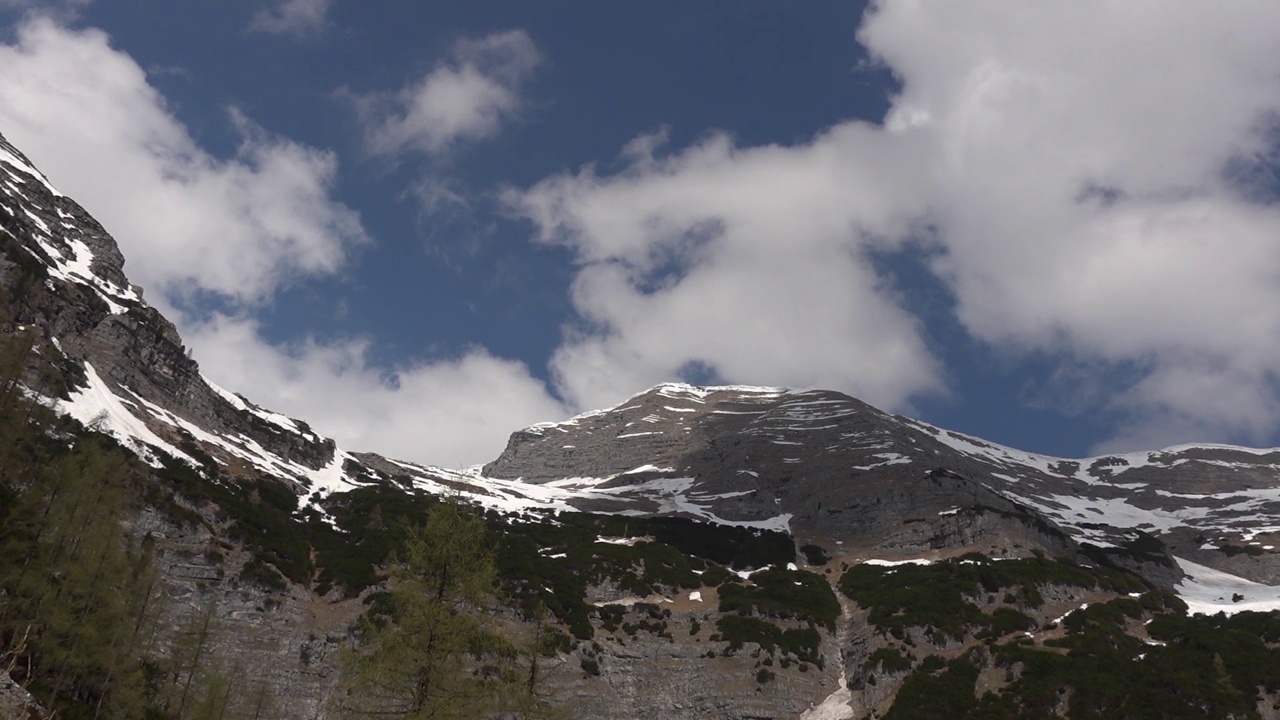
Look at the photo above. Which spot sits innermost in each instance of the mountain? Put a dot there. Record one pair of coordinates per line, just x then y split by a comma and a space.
830, 468
723, 552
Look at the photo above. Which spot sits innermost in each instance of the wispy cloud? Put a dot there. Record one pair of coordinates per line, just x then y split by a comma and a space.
61, 9
750, 263
464, 99
292, 17
1077, 174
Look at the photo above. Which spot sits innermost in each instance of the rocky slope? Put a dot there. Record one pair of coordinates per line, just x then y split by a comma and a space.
653, 634
828, 467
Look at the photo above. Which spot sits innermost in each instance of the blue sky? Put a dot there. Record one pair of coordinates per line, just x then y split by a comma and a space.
420, 226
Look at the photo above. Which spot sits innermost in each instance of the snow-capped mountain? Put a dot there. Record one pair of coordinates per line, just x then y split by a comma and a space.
817, 463
824, 464
862, 485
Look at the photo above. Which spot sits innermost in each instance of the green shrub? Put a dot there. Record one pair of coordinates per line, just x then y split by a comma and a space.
553, 642
783, 594
1007, 620
801, 643
935, 692
889, 660
260, 574
936, 595
814, 554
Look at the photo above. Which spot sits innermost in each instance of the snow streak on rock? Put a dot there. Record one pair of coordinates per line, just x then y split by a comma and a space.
96, 406
53, 235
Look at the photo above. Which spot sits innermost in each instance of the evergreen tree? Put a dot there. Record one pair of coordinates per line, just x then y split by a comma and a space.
76, 582
440, 651
75, 586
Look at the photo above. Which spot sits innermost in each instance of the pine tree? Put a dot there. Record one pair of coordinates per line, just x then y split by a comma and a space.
75, 587
76, 582
440, 652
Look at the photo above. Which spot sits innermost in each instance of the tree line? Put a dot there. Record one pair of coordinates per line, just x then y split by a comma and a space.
82, 606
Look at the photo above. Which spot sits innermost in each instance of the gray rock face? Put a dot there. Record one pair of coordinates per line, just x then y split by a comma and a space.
836, 466
65, 275
16, 703
687, 677
61, 273
278, 648
831, 468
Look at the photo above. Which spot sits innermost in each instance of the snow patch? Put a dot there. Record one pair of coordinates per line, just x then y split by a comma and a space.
702, 392
887, 459
96, 406
649, 469
835, 706
274, 418
895, 563
6, 156
628, 541
1207, 591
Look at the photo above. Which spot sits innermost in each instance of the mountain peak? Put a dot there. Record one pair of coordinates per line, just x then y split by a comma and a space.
14, 158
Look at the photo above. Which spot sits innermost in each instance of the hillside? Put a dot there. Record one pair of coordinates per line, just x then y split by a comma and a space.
727, 552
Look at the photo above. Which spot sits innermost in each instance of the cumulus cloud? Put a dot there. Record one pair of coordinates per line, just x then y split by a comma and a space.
453, 412
1080, 180
239, 227
751, 264
1073, 167
292, 17
467, 98
242, 228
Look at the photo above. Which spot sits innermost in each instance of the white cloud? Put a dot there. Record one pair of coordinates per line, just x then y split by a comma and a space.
1070, 163
241, 227
752, 262
468, 98
1196, 398
57, 8
454, 412
1078, 178
292, 17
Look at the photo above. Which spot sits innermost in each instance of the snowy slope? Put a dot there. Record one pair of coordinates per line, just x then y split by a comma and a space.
1216, 489
56, 235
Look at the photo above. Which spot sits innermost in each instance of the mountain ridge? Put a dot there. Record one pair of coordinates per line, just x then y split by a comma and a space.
74, 249
675, 448
855, 486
